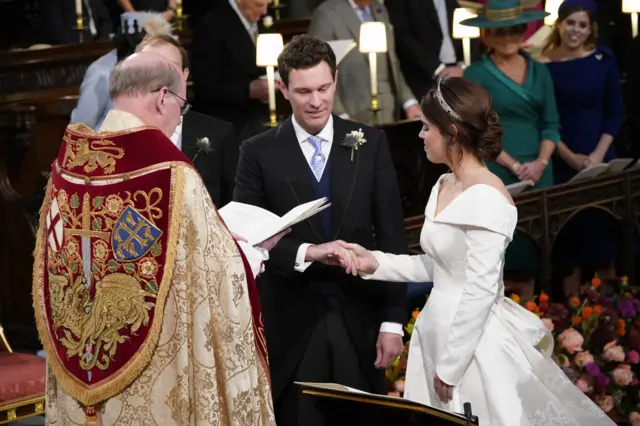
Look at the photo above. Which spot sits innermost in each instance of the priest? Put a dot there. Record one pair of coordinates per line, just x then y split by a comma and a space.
146, 306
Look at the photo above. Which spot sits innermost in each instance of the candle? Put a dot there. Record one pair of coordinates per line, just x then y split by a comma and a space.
634, 24
466, 50
272, 89
78, 7
373, 73
178, 2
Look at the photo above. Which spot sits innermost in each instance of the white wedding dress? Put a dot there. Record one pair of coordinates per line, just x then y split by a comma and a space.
495, 352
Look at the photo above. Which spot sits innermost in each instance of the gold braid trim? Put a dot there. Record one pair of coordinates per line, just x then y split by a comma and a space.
504, 14
140, 361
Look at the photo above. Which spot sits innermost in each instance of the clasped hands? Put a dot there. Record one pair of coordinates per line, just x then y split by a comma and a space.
352, 257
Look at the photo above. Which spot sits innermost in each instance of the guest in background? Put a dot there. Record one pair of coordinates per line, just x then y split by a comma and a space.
424, 43
226, 79
59, 21
165, 7
341, 19
299, 9
522, 92
94, 101
589, 99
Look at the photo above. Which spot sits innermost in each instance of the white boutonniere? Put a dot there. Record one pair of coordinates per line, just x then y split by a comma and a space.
267, 21
204, 146
353, 140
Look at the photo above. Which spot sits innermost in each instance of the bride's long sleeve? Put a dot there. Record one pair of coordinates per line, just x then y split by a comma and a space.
485, 257
401, 268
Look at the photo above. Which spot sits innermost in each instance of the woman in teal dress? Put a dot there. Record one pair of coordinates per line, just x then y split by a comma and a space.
523, 96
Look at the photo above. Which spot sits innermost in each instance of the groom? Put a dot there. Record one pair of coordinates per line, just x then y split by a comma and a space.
322, 325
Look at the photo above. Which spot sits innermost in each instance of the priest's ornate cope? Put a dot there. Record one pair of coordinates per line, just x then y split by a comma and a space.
113, 229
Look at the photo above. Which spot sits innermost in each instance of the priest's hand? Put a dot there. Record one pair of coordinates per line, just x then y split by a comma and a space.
388, 348
273, 241
238, 237
444, 391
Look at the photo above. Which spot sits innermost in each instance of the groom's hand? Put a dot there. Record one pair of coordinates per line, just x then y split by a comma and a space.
389, 347
325, 253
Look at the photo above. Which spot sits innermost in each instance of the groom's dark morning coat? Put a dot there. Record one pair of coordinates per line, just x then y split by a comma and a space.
274, 174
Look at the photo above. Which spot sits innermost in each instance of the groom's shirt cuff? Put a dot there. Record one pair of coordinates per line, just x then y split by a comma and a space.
300, 264
391, 327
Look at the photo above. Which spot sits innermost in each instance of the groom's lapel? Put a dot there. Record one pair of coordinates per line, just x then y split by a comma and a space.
343, 175
188, 137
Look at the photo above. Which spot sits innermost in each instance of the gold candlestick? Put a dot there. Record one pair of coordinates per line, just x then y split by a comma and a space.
276, 8
179, 16
375, 107
79, 27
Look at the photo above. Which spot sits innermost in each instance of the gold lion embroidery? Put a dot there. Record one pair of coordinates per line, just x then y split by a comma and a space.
101, 153
92, 326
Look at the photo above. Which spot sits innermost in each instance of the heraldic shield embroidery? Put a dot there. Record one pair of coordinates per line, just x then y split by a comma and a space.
105, 269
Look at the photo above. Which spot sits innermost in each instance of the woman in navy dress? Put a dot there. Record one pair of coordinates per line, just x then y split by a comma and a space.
589, 100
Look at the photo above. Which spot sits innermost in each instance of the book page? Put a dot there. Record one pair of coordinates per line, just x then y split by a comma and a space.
519, 187
590, 172
618, 164
246, 220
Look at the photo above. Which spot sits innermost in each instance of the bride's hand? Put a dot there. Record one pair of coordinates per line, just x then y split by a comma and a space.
357, 259
444, 391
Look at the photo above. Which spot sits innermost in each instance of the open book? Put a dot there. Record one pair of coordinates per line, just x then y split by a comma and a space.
373, 402
518, 187
613, 166
340, 47
257, 224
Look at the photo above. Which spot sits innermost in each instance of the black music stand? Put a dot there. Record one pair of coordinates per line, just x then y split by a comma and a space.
344, 407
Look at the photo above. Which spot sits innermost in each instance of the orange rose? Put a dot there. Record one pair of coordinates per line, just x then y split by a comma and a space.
574, 302
597, 310
544, 298
515, 298
415, 314
577, 321
531, 306
587, 311
595, 282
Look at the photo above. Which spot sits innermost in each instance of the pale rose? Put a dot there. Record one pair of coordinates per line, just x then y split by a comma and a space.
583, 385
634, 418
571, 340
605, 402
549, 324
399, 386
583, 358
613, 352
622, 374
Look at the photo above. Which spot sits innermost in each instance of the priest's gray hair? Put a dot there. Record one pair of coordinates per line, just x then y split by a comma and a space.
141, 79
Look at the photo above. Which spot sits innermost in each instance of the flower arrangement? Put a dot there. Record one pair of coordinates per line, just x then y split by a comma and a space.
597, 345
397, 370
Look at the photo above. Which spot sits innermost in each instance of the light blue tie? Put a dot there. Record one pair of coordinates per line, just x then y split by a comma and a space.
365, 14
317, 161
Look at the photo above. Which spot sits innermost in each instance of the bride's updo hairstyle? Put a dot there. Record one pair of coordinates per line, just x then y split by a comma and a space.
463, 113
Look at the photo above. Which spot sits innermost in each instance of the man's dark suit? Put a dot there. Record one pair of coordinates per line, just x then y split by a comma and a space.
223, 64
419, 39
217, 167
274, 174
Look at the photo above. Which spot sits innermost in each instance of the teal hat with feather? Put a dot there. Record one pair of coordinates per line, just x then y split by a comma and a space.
502, 13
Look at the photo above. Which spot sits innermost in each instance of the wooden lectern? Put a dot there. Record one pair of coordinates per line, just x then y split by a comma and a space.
343, 406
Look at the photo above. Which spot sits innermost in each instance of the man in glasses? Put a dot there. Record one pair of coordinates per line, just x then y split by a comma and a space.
210, 143
143, 297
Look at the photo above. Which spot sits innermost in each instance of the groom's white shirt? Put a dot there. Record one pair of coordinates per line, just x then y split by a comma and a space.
326, 134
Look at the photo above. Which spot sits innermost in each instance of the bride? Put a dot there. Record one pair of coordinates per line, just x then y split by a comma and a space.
470, 343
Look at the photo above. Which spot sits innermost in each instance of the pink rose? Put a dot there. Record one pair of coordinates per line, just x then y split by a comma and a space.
399, 385
583, 358
634, 418
583, 384
571, 340
605, 402
613, 352
633, 357
548, 323
622, 374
